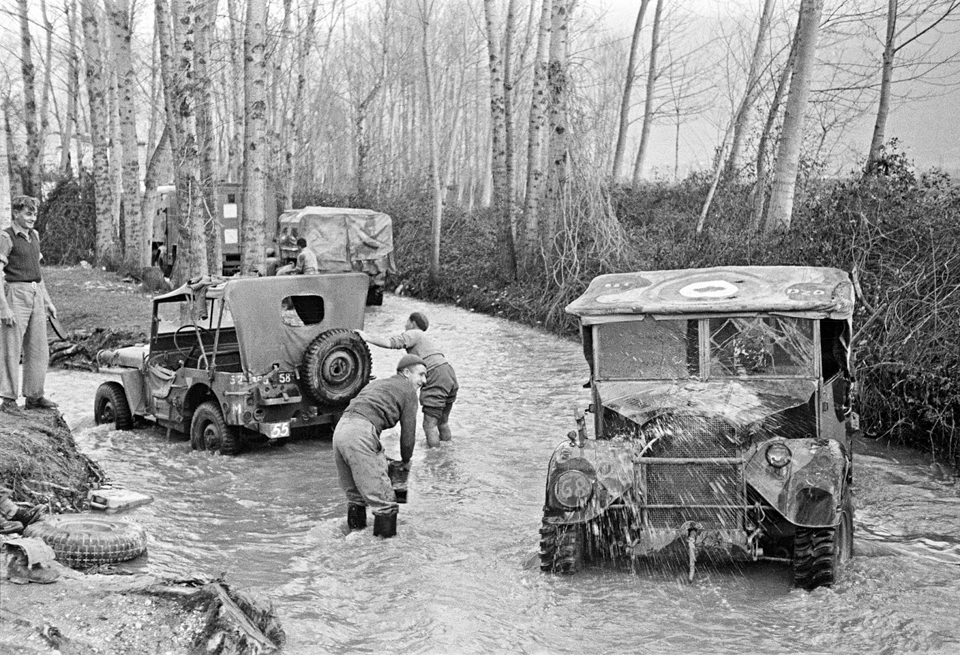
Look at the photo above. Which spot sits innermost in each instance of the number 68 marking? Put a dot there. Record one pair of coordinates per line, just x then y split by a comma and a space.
278, 430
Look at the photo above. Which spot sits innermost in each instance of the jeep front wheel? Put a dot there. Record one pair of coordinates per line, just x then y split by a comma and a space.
561, 547
336, 366
110, 406
208, 430
819, 552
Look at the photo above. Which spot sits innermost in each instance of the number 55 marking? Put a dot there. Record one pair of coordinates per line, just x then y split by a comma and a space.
279, 430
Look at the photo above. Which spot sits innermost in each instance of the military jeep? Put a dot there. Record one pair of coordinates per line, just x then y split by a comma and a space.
722, 422
240, 357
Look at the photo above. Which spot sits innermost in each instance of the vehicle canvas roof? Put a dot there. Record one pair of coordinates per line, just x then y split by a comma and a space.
813, 291
255, 303
344, 234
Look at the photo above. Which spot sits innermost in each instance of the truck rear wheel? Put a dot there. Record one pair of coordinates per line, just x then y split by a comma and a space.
336, 366
562, 547
819, 552
208, 430
110, 406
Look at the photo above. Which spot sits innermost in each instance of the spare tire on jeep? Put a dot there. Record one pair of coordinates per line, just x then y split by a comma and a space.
336, 366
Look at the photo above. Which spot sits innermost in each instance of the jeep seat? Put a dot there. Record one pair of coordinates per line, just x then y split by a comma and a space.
127, 357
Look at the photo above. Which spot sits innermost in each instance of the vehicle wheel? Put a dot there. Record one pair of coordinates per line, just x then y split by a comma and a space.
81, 541
818, 552
208, 430
561, 548
110, 406
375, 296
336, 366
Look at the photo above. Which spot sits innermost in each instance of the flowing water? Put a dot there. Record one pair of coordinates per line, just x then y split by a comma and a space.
462, 576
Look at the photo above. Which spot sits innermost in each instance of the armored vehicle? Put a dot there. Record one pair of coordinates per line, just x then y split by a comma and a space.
722, 420
229, 359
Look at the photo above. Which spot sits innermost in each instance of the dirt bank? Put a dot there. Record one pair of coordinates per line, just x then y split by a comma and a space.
39, 461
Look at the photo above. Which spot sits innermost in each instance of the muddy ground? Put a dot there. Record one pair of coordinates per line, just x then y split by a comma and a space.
84, 612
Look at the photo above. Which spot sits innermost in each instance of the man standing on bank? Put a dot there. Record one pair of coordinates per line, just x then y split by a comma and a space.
24, 304
440, 391
361, 462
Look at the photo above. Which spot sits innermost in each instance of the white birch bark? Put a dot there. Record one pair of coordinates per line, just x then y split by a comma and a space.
253, 219
629, 78
648, 101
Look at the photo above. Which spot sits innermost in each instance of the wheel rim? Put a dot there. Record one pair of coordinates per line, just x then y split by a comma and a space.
338, 368
107, 412
211, 436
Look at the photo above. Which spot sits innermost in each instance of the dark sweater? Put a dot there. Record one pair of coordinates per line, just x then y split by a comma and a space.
23, 262
385, 403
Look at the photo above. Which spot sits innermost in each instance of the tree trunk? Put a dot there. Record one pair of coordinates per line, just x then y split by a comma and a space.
537, 137
99, 123
6, 208
560, 138
136, 252
886, 80
434, 148
509, 225
253, 220
498, 119
648, 101
296, 119
205, 17
13, 163
363, 110
780, 210
160, 159
742, 119
73, 90
627, 90
31, 184
44, 115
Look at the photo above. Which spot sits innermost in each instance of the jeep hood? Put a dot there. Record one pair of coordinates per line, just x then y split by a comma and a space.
738, 401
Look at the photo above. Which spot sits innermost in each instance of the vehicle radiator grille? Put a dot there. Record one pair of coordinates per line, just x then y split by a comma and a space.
711, 493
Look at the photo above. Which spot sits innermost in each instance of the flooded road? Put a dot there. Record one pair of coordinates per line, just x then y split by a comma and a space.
462, 576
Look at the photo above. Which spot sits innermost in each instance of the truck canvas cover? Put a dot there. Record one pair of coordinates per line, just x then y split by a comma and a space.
343, 238
800, 290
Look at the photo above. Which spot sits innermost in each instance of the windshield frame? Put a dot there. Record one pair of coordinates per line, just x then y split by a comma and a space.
704, 345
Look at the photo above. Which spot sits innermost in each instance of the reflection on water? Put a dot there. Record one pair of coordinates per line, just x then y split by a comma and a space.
463, 574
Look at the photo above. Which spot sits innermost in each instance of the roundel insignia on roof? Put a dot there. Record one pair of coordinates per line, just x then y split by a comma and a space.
628, 291
807, 290
708, 289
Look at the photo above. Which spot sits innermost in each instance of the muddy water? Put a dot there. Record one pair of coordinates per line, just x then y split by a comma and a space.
462, 575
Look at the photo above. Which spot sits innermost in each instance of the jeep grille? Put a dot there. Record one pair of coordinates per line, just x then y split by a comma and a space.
692, 471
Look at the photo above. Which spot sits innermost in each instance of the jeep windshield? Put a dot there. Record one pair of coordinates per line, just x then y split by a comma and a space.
704, 348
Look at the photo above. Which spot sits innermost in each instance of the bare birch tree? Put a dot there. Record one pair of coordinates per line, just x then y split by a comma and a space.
136, 252
625, 103
426, 11
31, 184
780, 209
73, 90
253, 219
652, 74
99, 123
204, 18
537, 136
558, 160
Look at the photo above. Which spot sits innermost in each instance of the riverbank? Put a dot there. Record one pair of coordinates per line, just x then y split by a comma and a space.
40, 463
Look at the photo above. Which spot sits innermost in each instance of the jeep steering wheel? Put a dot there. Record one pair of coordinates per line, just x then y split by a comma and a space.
189, 354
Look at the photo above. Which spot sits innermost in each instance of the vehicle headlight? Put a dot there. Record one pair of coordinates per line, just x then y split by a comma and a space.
778, 455
573, 489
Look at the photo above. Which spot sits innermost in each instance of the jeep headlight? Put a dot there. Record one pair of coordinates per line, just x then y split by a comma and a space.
572, 489
778, 455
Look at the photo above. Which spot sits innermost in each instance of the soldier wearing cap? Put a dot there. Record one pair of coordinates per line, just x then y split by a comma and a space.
361, 463
24, 304
440, 391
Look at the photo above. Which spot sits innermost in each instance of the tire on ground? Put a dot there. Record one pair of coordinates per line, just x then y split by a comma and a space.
818, 552
336, 366
82, 541
110, 406
208, 430
561, 547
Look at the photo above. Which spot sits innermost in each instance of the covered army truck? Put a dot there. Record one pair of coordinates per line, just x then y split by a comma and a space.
343, 239
722, 421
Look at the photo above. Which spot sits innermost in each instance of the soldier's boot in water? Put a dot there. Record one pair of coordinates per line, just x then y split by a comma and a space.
431, 430
385, 525
356, 516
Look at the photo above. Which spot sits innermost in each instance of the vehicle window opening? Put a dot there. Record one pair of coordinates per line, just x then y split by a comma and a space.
648, 350
297, 311
758, 346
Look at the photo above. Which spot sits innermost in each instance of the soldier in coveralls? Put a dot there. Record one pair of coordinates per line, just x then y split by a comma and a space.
24, 304
361, 462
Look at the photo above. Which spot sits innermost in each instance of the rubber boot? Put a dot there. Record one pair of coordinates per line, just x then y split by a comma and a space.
385, 525
356, 516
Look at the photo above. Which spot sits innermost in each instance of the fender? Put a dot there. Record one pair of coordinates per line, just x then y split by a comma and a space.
608, 465
809, 490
